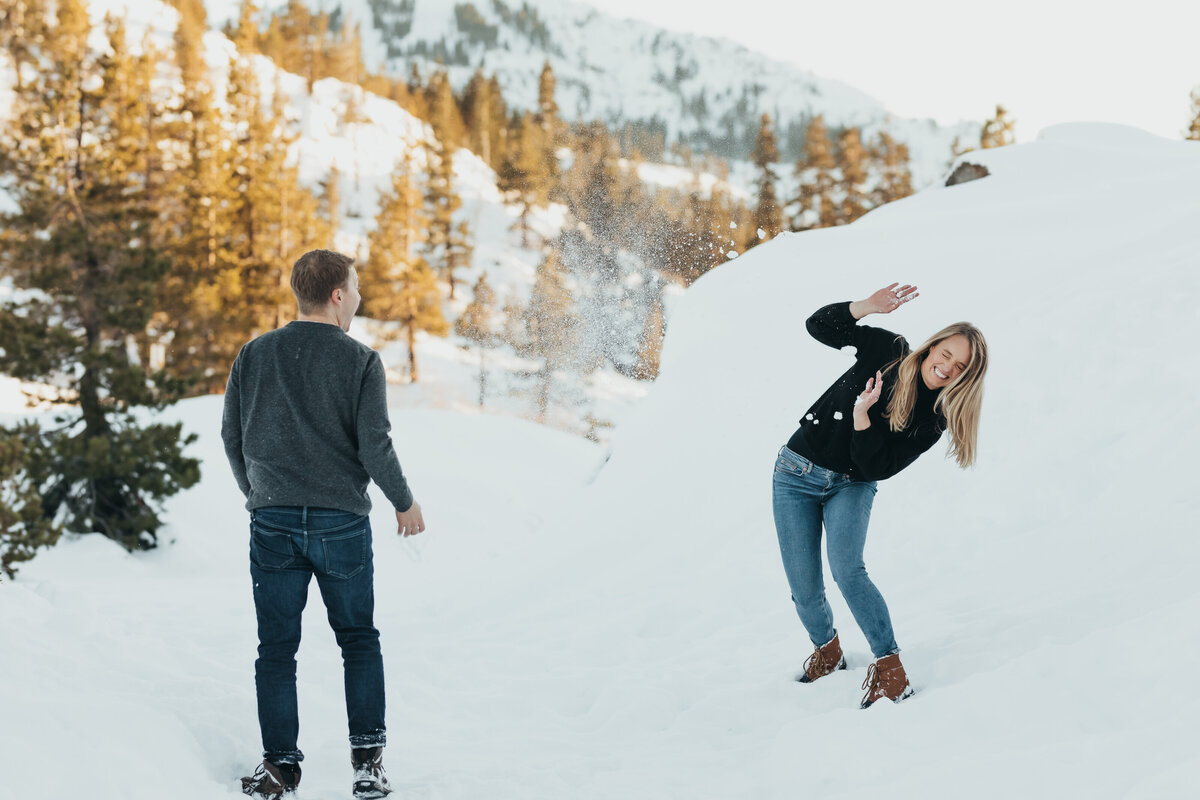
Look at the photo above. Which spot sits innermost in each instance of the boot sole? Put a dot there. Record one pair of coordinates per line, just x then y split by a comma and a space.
907, 694
803, 676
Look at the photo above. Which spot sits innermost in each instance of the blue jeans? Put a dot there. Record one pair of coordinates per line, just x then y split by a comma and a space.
288, 545
804, 496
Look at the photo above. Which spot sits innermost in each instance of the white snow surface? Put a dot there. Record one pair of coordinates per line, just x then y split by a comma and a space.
575, 628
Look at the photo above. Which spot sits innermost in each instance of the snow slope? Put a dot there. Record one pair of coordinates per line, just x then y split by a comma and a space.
572, 630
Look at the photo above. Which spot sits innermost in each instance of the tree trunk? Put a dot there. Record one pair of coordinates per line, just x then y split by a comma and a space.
412, 353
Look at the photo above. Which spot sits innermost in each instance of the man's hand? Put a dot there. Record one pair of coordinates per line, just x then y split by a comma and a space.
868, 398
885, 301
410, 523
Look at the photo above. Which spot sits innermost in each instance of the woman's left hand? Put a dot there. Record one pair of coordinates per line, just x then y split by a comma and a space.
868, 398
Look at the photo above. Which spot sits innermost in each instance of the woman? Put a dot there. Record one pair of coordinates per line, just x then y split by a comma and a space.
848, 441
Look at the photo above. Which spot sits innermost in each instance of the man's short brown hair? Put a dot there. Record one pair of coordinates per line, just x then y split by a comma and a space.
315, 275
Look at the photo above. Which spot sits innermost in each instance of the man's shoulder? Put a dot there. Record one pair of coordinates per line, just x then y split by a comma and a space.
312, 332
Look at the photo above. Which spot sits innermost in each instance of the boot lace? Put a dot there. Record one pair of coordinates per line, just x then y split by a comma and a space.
816, 665
871, 684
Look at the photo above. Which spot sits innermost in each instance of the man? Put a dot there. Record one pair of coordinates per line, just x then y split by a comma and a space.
305, 428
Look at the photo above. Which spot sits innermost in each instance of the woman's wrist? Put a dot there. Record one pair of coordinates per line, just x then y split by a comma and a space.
859, 309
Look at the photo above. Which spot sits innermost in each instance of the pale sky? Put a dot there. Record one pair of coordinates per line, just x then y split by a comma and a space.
1048, 61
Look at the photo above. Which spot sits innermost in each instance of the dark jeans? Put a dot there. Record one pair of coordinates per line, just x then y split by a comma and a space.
288, 545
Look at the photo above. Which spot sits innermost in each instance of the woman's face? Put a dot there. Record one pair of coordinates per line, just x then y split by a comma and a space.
946, 361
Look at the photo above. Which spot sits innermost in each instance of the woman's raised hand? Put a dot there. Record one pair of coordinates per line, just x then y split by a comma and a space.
868, 398
889, 298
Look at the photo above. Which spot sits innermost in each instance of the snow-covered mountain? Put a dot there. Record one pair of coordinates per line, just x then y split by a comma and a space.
704, 91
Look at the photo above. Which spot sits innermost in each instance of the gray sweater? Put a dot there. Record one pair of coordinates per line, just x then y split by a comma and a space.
306, 423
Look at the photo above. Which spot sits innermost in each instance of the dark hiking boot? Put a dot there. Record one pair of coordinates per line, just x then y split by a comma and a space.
886, 681
825, 659
370, 781
272, 781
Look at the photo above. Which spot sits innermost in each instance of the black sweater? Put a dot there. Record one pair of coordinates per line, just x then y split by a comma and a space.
826, 435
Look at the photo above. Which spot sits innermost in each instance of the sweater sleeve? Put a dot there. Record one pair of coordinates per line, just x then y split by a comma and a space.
231, 426
834, 326
375, 449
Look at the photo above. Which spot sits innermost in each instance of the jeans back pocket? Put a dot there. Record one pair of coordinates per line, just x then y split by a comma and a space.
344, 555
271, 549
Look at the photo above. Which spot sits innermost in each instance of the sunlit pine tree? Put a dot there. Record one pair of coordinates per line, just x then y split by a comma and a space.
1193, 131
814, 173
519, 178
553, 131
889, 160
396, 283
477, 324
551, 327
768, 216
997, 131
852, 180
649, 354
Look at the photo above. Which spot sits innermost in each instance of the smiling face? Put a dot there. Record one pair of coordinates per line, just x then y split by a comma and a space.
946, 361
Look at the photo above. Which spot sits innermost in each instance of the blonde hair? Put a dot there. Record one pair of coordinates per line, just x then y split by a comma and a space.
960, 401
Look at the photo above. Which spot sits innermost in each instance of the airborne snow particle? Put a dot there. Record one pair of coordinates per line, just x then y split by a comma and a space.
732, 254
762, 234
808, 416
837, 415
732, 224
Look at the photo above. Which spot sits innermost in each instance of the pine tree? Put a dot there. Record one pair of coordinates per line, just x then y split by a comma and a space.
22, 33
597, 192
81, 170
768, 217
444, 114
273, 216
814, 175
1193, 131
997, 131
520, 173
551, 327
193, 317
445, 245
330, 207
477, 325
477, 116
552, 130
396, 284
650, 346
24, 526
894, 179
852, 164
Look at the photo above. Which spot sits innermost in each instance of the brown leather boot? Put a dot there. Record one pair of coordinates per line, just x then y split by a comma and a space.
886, 680
824, 660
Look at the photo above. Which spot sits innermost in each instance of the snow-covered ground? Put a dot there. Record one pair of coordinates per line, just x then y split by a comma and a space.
572, 627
